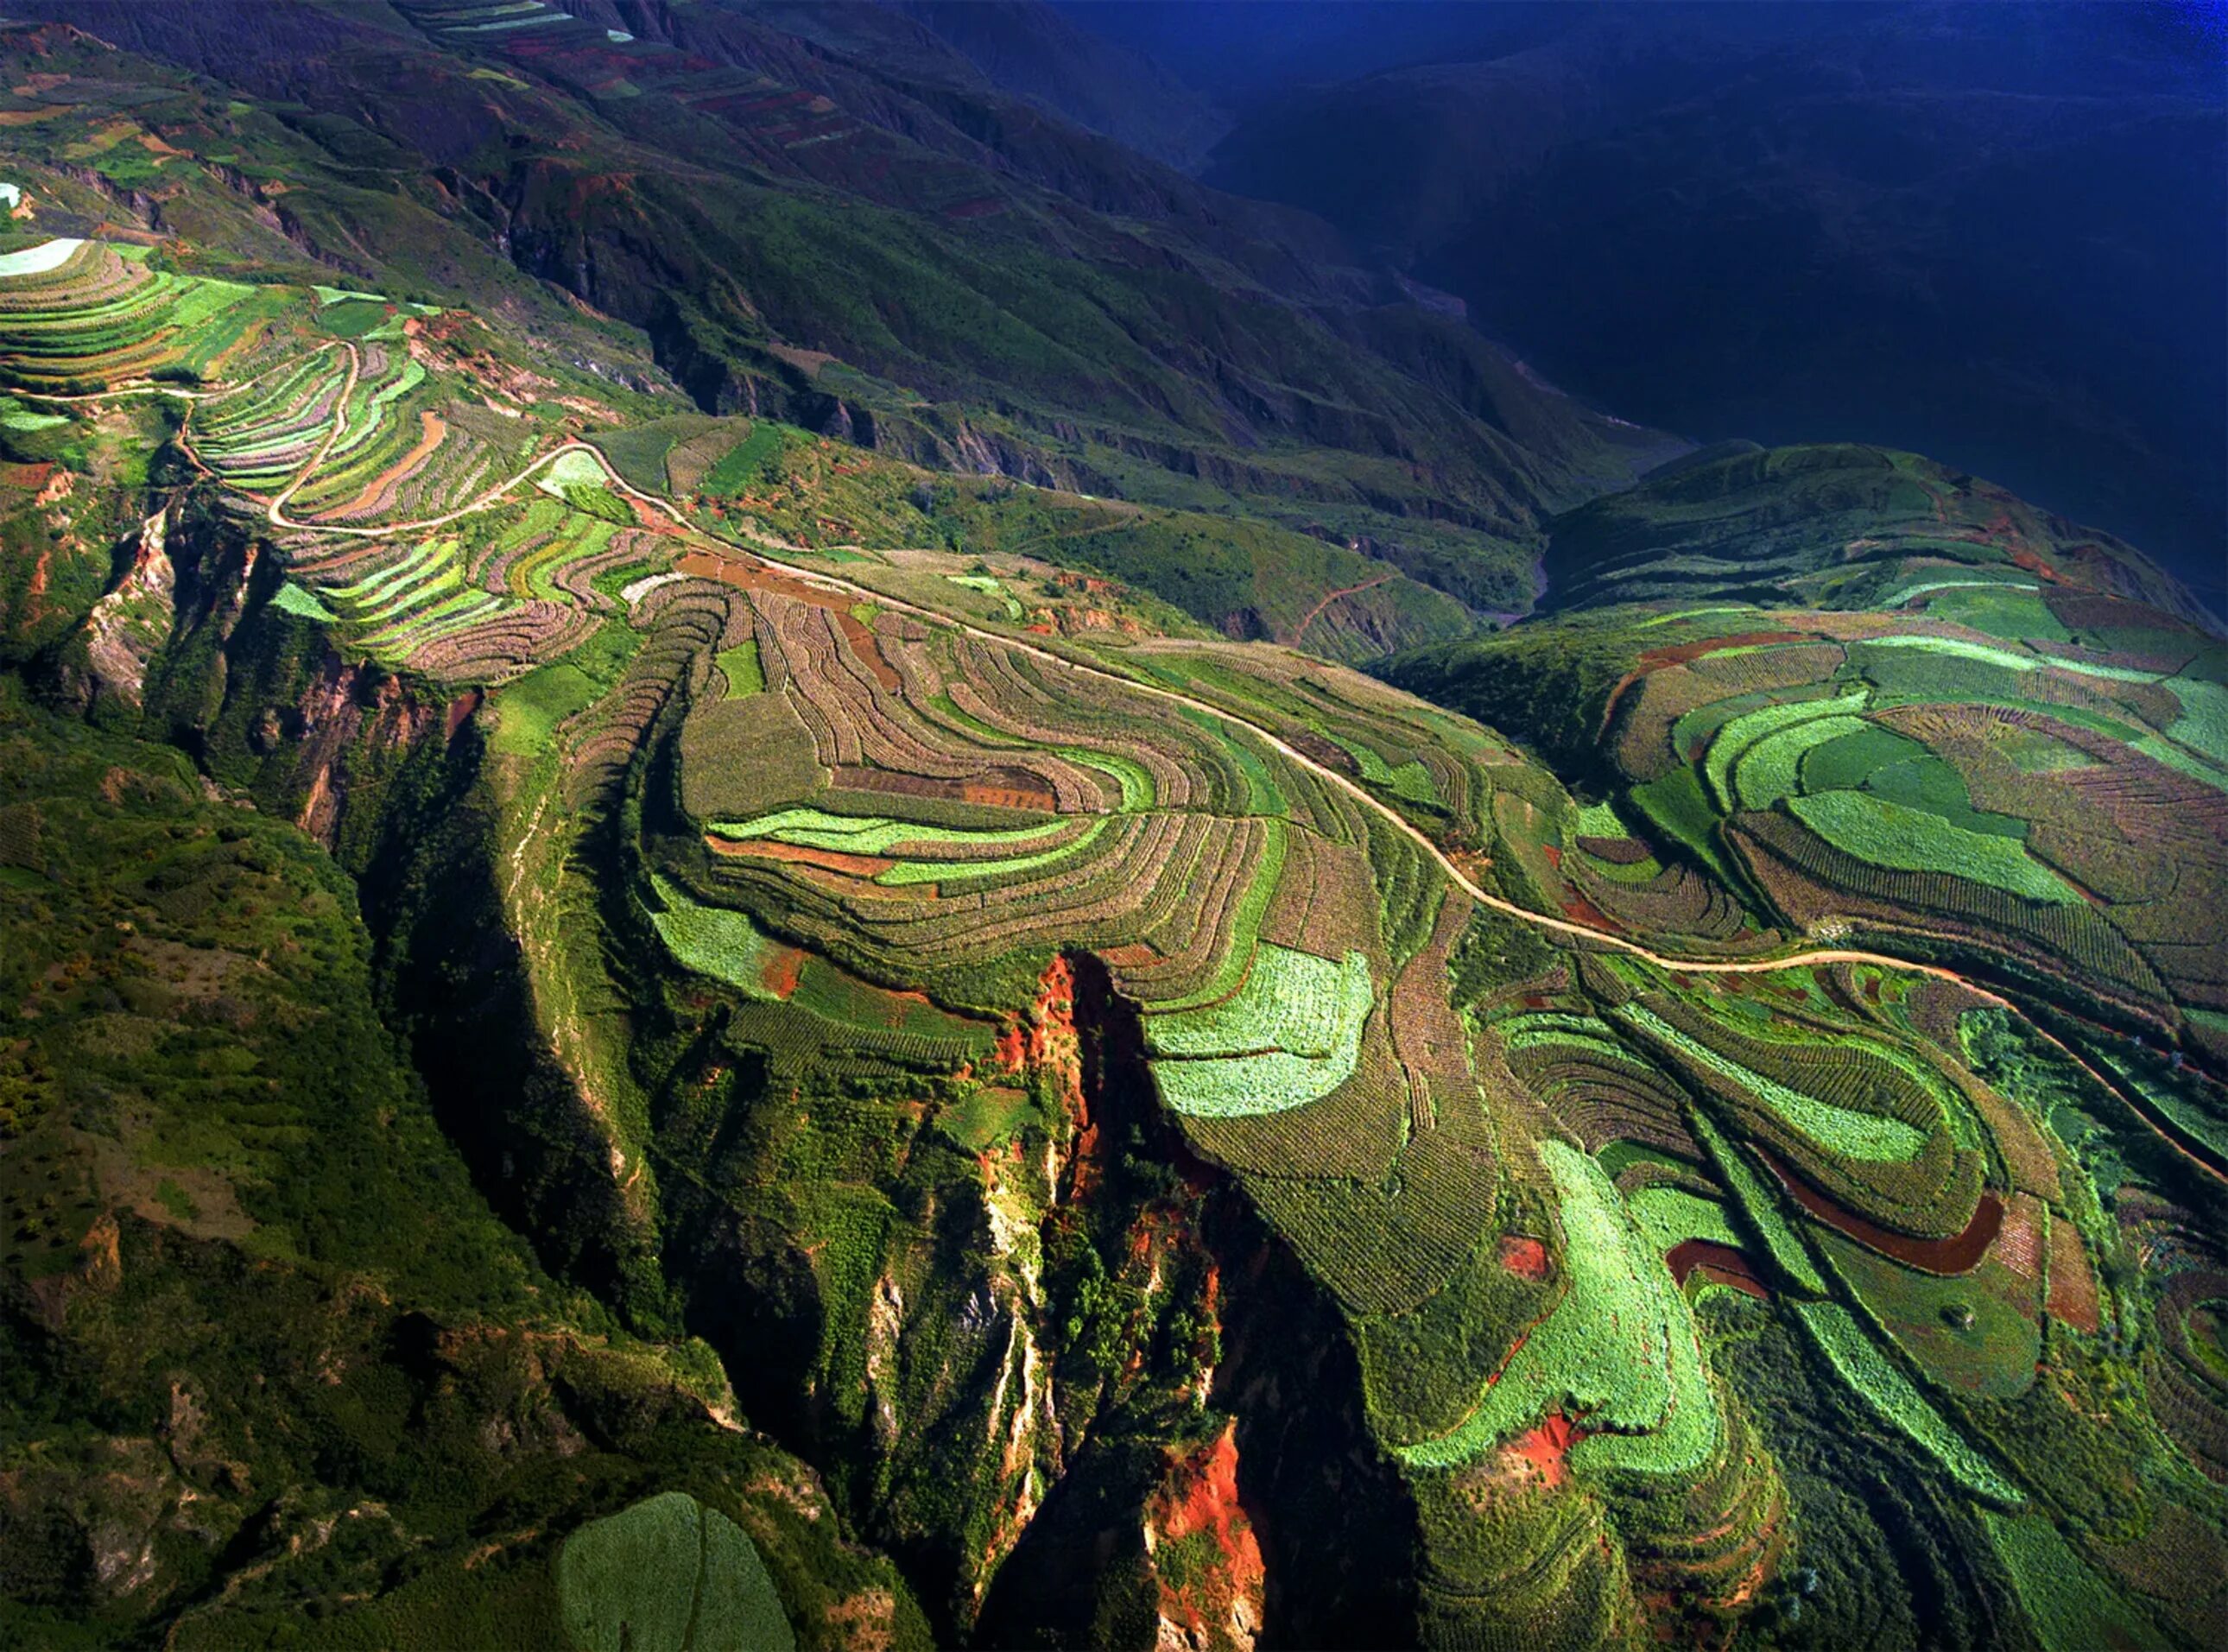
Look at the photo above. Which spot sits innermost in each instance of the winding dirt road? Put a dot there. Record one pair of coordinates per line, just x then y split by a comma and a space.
1562, 926
316, 461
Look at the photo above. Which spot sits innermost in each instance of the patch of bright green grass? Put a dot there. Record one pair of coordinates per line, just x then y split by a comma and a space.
1902, 839
1866, 1136
1746, 730
1767, 770
291, 598
1620, 1349
714, 941
1600, 820
1670, 1216
1876, 1379
1677, 807
740, 665
747, 462
872, 833
1136, 781
2069, 1605
1853, 757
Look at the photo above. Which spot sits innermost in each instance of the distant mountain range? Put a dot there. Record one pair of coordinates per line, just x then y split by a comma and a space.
1991, 233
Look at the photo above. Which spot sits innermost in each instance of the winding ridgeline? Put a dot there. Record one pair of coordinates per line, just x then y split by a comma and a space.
681, 970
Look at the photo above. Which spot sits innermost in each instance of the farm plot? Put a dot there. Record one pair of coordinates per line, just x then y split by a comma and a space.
1900, 839
1291, 1034
416, 608
1596, 1084
716, 941
1872, 1138
393, 430
260, 439
1897, 1402
76, 316
1619, 1355
956, 806
1853, 1117
668, 1573
2026, 794
1979, 1332
2069, 1605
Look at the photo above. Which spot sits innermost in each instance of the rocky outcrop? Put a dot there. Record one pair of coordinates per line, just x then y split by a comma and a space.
129, 625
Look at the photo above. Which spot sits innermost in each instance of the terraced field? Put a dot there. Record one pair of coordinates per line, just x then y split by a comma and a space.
1604, 1132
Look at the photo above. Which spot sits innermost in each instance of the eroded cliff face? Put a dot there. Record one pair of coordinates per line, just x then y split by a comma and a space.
183, 644
1205, 1558
129, 625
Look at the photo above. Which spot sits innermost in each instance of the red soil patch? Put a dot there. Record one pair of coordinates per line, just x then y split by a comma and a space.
754, 575
1546, 1449
1007, 796
1044, 1041
1682, 653
1579, 910
1720, 1263
1054, 1013
855, 865
460, 712
649, 518
1054, 1043
783, 971
35, 595
1960, 1253
1521, 1254
864, 644
1000, 787
751, 574
1554, 856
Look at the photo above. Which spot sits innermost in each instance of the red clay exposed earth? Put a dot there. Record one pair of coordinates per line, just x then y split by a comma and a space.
1546, 1448
1523, 1255
855, 866
1720, 1264
1200, 1494
1960, 1253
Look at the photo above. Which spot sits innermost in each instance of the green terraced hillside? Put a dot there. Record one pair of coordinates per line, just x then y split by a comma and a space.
782, 1006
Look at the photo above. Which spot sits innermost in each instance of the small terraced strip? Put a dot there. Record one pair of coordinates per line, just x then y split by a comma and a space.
1869, 1138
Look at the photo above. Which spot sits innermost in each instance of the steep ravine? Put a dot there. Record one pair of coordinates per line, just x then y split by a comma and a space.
1074, 1344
